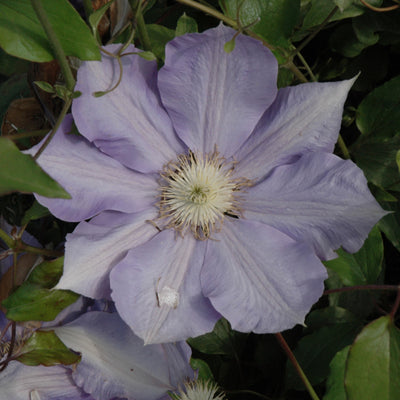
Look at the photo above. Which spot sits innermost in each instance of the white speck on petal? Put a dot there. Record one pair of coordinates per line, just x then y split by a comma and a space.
169, 297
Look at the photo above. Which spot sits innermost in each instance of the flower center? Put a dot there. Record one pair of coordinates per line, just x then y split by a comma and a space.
197, 192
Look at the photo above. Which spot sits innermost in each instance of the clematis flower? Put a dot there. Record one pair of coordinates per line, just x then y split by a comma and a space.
115, 364
210, 192
23, 382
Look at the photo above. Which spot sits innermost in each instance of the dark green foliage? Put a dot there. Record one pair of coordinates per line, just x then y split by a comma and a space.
350, 346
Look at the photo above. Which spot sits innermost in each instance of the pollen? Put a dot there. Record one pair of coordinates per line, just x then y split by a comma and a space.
169, 297
197, 192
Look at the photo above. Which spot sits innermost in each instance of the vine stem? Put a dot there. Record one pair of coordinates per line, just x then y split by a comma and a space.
362, 287
343, 147
35, 250
297, 366
63, 113
18, 247
395, 305
141, 27
8, 240
54, 43
377, 9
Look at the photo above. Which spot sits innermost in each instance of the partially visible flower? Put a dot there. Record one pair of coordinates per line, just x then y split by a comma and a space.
199, 390
115, 364
211, 193
24, 382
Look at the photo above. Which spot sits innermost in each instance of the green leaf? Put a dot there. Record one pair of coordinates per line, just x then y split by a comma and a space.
379, 112
147, 55
314, 352
398, 159
96, 16
320, 9
321, 317
31, 302
344, 41
35, 212
362, 267
204, 371
45, 348
377, 158
185, 25
10, 65
390, 224
44, 86
159, 36
335, 383
22, 35
20, 172
48, 273
380, 194
373, 368
222, 340
276, 18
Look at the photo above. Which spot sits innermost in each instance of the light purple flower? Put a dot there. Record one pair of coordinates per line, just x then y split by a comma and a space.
115, 364
211, 193
23, 382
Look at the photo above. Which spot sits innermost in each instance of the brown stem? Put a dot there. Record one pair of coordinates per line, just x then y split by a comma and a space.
396, 304
362, 287
377, 9
296, 366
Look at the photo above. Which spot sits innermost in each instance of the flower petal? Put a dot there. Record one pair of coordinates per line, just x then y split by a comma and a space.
129, 123
93, 249
95, 181
214, 97
303, 118
320, 199
22, 382
156, 289
115, 363
259, 279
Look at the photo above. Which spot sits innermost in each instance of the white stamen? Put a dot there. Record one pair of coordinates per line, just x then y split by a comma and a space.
169, 297
197, 192
200, 390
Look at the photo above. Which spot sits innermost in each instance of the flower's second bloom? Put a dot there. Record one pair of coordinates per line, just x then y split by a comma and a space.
211, 193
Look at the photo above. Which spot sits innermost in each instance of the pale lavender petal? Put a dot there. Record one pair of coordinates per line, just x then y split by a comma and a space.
22, 382
166, 267
129, 123
95, 181
302, 119
115, 363
320, 199
259, 279
214, 97
95, 247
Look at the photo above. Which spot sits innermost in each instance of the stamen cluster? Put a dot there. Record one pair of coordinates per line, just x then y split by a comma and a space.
200, 390
198, 192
